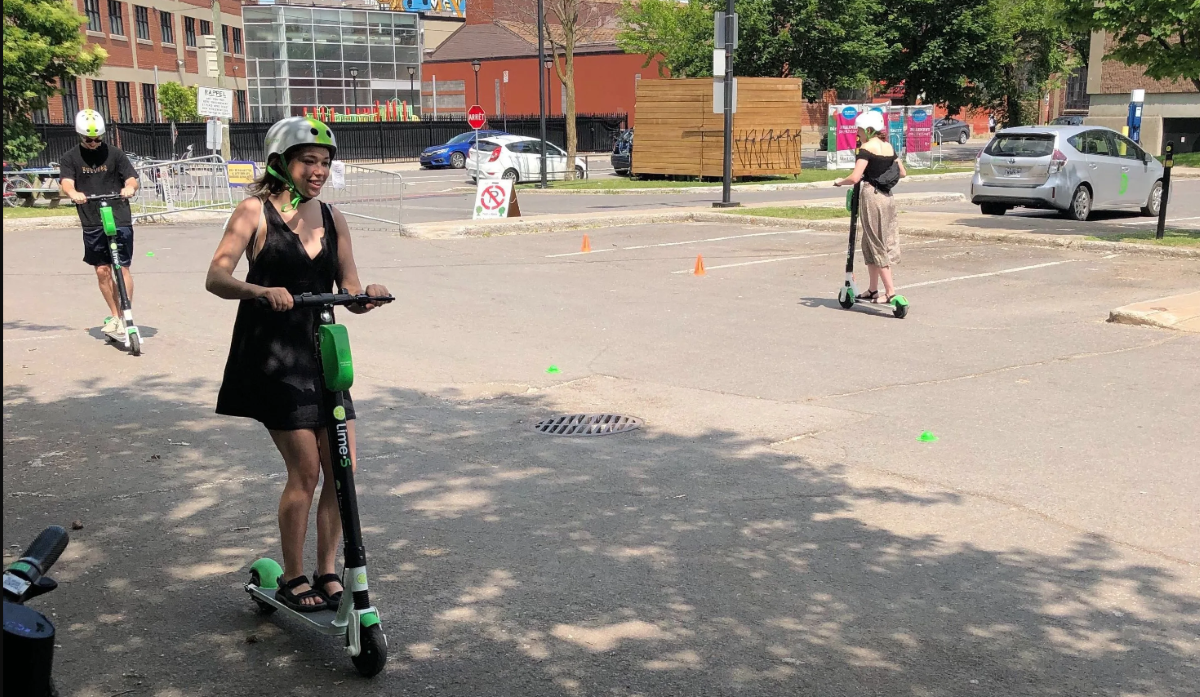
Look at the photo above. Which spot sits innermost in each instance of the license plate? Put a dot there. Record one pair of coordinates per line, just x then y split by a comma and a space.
15, 584
1013, 171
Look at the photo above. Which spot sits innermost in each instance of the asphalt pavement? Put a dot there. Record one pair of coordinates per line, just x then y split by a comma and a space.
777, 527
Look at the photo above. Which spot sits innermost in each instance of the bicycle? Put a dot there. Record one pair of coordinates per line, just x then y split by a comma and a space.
28, 634
131, 338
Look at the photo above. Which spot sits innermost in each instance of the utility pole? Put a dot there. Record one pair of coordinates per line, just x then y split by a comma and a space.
727, 174
541, 19
219, 32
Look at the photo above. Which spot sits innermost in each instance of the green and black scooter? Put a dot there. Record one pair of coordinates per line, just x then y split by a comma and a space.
130, 337
848, 295
355, 619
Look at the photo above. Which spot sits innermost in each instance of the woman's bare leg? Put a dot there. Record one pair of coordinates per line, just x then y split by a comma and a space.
873, 270
303, 461
885, 274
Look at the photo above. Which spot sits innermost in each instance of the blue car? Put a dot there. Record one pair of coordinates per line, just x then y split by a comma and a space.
454, 152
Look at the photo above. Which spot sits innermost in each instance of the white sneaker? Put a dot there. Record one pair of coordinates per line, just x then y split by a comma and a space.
111, 325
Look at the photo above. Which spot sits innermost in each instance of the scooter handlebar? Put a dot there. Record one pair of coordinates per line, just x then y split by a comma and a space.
46, 549
105, 197
322, 299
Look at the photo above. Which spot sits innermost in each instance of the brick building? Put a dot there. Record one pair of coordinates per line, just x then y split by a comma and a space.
150, 42
1172, 107
502, 36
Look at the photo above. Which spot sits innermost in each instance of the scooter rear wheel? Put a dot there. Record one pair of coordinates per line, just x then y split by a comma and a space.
263, 607
845, 299
135, 344
370, 661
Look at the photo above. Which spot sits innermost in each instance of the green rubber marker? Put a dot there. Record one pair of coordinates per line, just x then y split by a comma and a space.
552, 369
927, 437
149, 254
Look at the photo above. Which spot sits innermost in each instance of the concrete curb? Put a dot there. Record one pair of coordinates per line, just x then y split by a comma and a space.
590, 221
797, 186
1177, 312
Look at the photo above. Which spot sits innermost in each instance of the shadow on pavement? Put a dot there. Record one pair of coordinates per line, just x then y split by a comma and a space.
505, 562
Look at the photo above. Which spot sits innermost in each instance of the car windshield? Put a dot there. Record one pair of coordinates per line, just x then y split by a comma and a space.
1021, 145
461, 138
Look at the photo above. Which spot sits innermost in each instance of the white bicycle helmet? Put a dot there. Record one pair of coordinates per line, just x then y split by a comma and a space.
290, 133
870, 120
89, 123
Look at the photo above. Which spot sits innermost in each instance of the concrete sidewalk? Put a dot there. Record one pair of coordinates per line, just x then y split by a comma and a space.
1180, 312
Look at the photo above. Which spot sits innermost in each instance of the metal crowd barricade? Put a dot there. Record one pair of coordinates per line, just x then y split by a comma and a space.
173, 186
370, 198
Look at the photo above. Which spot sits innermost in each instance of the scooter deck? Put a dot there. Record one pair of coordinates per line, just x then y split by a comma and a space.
324, 621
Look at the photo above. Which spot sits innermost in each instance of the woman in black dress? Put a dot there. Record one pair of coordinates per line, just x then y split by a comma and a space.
294, 244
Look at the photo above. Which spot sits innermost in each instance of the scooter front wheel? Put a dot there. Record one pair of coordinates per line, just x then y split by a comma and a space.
370, 661
846, 299
135, 343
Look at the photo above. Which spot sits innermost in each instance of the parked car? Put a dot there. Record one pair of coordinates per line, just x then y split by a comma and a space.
622, 154
518, 158
1072, 169
453, 153
1067, 121
951, 130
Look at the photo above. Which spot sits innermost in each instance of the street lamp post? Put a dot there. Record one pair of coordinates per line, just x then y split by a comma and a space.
475, 66
541, 18
412, 71
549, 101
354, 77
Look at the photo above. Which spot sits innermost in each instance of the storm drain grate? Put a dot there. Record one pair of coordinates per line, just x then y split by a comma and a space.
587, 424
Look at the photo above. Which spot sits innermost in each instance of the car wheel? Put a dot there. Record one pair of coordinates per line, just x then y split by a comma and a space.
993, 208
1081, 204
962, 137
511, 175
1154, 202
580, 172
458, 160
621, 172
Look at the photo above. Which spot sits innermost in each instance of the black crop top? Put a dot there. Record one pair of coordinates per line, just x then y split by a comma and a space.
876, 164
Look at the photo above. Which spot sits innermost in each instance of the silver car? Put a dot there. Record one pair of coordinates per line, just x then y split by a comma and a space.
1073, 169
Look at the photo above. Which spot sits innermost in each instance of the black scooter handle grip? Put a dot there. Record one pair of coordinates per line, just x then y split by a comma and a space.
46, 549
322, 299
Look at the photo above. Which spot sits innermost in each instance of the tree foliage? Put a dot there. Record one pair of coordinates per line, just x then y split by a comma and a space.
1162, 35
42, 46
178, 102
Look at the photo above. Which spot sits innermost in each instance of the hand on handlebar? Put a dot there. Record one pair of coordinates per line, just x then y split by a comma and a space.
280, 299
374, 290
127, 192
78, 198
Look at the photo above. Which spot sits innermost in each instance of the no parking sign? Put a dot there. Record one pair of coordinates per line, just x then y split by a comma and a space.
494, 199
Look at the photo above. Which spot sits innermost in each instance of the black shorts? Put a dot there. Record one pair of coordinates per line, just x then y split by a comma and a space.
95, 246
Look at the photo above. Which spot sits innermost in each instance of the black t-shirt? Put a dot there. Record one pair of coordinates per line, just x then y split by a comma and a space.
96, 172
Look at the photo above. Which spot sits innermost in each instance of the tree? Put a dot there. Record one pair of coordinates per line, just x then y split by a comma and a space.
178, 102
1037, 50
1163, 36
42, 47
680, 35
569, 23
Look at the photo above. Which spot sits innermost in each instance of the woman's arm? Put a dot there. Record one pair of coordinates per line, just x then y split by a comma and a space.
903, 172
220, 281
350, 282
860, 166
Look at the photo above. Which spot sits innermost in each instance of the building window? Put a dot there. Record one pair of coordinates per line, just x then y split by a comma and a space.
189, 31
124, 106
205, 27
70, 100
40, 115
100, 91
116, 20
237, 40
142, 19
167, 26
241, 104
225, 38
149, 104
91, 8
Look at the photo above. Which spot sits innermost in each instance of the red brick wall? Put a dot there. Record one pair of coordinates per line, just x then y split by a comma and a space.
1118, 78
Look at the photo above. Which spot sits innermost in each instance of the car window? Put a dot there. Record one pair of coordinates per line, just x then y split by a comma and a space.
521, 147
1021, 145
461, 138
1096, 143
555, 151
1126, 148
485, 145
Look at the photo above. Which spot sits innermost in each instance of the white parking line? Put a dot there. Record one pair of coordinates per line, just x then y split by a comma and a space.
1154, 221
990, 273
772, 260
676, 244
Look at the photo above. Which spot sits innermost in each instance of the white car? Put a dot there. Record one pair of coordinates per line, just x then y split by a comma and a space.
518, 159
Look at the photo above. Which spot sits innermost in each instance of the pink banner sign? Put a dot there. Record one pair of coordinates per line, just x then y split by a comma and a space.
847, 136
920, 129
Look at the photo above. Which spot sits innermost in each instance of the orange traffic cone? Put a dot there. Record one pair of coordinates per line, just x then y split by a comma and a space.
699, 270
587, 244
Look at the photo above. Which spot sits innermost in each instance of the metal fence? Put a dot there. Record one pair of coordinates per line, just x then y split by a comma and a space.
371, 199
383, 141
198, 183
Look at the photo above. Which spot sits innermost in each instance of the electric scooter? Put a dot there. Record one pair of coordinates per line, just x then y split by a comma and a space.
28, 635
131, 338
355, 618
848, 295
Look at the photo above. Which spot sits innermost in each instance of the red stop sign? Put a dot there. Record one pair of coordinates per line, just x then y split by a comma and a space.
476, 117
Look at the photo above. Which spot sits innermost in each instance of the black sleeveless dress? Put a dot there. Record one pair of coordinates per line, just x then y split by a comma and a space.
273, 372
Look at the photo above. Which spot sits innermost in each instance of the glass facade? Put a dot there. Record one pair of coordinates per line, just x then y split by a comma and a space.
300, 57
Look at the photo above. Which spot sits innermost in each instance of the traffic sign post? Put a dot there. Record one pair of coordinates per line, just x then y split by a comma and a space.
475, 119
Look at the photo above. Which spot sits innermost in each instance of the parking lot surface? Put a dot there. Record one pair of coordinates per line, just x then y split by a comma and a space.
775, 528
